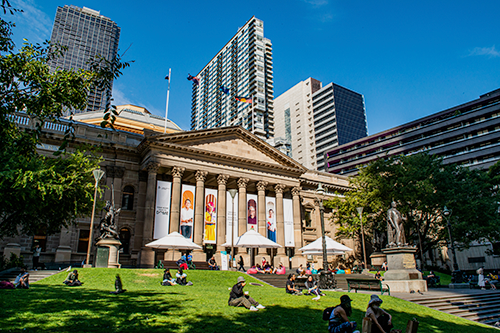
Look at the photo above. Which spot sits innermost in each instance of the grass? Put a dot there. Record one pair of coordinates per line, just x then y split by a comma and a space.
445, 279
149, 307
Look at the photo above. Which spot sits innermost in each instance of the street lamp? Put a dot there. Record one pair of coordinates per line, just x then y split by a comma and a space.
98, 173
232, 192
320, 194
360, 212
456, 274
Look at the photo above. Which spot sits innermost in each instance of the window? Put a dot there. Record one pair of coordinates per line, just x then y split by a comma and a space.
40, 238
476, 259
125, 239
83, 241
307, 218
128, 198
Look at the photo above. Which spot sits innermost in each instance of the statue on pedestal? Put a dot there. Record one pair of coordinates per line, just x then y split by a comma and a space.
395, 227
107, 226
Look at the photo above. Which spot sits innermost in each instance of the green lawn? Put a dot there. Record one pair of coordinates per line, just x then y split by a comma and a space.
148, 307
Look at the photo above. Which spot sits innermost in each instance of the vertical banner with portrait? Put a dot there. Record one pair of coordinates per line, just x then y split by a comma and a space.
210, 216
288, 217
252, 212
271, 218
187, 211
162, 209
229, 217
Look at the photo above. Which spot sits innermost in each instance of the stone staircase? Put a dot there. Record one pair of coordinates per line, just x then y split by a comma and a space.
483, 307
35, 276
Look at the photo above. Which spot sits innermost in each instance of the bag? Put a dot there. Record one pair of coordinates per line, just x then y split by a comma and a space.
327, 313
412, 326
367, 325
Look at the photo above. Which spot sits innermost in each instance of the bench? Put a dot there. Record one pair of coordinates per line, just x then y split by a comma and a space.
367, 284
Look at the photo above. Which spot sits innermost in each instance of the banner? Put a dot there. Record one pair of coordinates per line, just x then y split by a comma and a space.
252, 212
223, 260
187, 211
229, 217
288, 216
271, 218
162, 209
210, 216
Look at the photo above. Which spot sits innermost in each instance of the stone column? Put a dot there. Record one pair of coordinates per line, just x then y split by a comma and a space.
221, 214
198, 229
175, 209
242, 205
280, 220
297, 227
63, 251
262, 225
147, 257
137, 235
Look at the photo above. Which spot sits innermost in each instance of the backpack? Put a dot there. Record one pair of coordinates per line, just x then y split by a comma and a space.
327, 313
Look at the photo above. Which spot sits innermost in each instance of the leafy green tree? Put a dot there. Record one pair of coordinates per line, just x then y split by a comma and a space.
43, 192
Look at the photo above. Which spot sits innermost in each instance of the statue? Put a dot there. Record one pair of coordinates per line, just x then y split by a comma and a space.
107, 226
395, 227
118, 286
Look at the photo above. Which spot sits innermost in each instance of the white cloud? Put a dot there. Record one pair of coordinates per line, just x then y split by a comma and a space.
316, 3
119, 97
32, 24
491, 52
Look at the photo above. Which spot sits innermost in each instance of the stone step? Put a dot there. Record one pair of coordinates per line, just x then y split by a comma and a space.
467, 305
476, 309
454, 298
34, 275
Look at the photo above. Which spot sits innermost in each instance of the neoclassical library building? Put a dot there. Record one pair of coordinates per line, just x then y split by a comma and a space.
180, 181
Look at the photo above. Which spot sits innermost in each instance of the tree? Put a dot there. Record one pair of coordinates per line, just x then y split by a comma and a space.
44, 192
422, 186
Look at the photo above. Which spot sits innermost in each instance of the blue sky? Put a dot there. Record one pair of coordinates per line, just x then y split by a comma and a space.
408, 59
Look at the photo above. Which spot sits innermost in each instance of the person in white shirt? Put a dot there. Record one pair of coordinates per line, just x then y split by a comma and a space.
187, 215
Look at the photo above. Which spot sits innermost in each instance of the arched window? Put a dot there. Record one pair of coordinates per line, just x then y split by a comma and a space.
125, 239
128, 198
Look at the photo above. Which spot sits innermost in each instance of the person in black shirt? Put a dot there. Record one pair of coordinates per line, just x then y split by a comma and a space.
241, 263
237, 297
312, 286
212, 264
290, 286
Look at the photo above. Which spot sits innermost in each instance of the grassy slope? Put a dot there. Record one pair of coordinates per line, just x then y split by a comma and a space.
149, 307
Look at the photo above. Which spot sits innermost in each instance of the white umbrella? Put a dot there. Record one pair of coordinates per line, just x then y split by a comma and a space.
331, 246
319, 253
253, 239
175, 241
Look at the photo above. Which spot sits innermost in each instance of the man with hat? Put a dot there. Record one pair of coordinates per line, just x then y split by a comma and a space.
339, 319
381, 320
237, 297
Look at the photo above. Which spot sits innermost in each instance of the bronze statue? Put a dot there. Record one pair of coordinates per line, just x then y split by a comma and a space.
107, 226
118, 286
395, 227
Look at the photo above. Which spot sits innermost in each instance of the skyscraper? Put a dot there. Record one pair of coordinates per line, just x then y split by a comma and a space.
244, 66
86, 34
315, 119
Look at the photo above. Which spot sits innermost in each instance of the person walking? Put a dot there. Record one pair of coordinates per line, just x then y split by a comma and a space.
237, 297
241, 264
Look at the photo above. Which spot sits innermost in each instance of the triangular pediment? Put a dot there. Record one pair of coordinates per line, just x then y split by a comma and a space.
232, 143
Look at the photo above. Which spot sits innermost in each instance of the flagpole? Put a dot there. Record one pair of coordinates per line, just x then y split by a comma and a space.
168, 92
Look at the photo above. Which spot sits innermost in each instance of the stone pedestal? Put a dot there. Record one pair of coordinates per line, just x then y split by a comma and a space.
147, 258
63, 254
12, 248
114, 254
377, 259
402, 276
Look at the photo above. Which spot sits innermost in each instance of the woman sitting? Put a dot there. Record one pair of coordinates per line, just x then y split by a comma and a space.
312, 286
268, 269
381, 320
72, 279
259, 269
281, 270
22, 280
181, 277
339, 318
168, 280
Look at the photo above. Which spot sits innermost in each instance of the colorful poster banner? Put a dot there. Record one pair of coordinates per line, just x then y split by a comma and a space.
229, 217
162, 209
288, 216
271, 218
210, 216
252, 212
187, 211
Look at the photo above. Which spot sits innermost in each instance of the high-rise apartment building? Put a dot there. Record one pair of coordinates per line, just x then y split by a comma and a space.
86, 34
244, 66
315, 119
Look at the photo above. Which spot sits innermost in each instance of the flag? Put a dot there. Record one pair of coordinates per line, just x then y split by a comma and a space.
224, 90
194, 79
167, 77
244, 99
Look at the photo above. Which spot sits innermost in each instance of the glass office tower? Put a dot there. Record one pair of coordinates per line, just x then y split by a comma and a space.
86, 34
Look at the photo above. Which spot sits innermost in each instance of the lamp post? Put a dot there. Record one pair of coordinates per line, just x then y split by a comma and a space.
98, 173
360, 212
232, 192
456, 274
320, 193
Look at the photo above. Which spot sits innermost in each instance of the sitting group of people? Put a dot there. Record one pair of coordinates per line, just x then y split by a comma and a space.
265, 268
311, 285
180, 278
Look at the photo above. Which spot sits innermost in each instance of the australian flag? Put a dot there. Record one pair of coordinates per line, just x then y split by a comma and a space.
194, 79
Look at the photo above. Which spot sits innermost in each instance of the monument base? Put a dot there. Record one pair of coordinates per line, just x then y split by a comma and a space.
377, 259
402, 275
459, 286
114, 254
406, 286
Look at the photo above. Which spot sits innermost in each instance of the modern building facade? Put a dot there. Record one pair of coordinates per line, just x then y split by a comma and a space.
316, 119
86, 34
468, 134
244, 66
293, 112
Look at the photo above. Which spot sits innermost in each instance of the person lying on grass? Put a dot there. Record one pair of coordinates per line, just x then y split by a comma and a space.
237, 297
22, 280
382, 320
72, 279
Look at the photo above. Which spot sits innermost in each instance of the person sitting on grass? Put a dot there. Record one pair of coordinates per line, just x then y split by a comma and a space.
381, 320
290, 286
339, 318
22, 280
168, 280
378, 276
212, 264
181, 278
237, 297
312, 286
72, 279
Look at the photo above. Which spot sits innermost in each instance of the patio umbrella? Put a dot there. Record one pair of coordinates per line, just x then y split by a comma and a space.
174, 241
319, 253
253, 239
331, 246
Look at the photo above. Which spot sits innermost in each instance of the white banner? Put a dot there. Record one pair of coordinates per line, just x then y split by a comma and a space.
252, 212
162, 211
229, 217
223, 260
288, 216
187, 211
271, 218
210, 217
